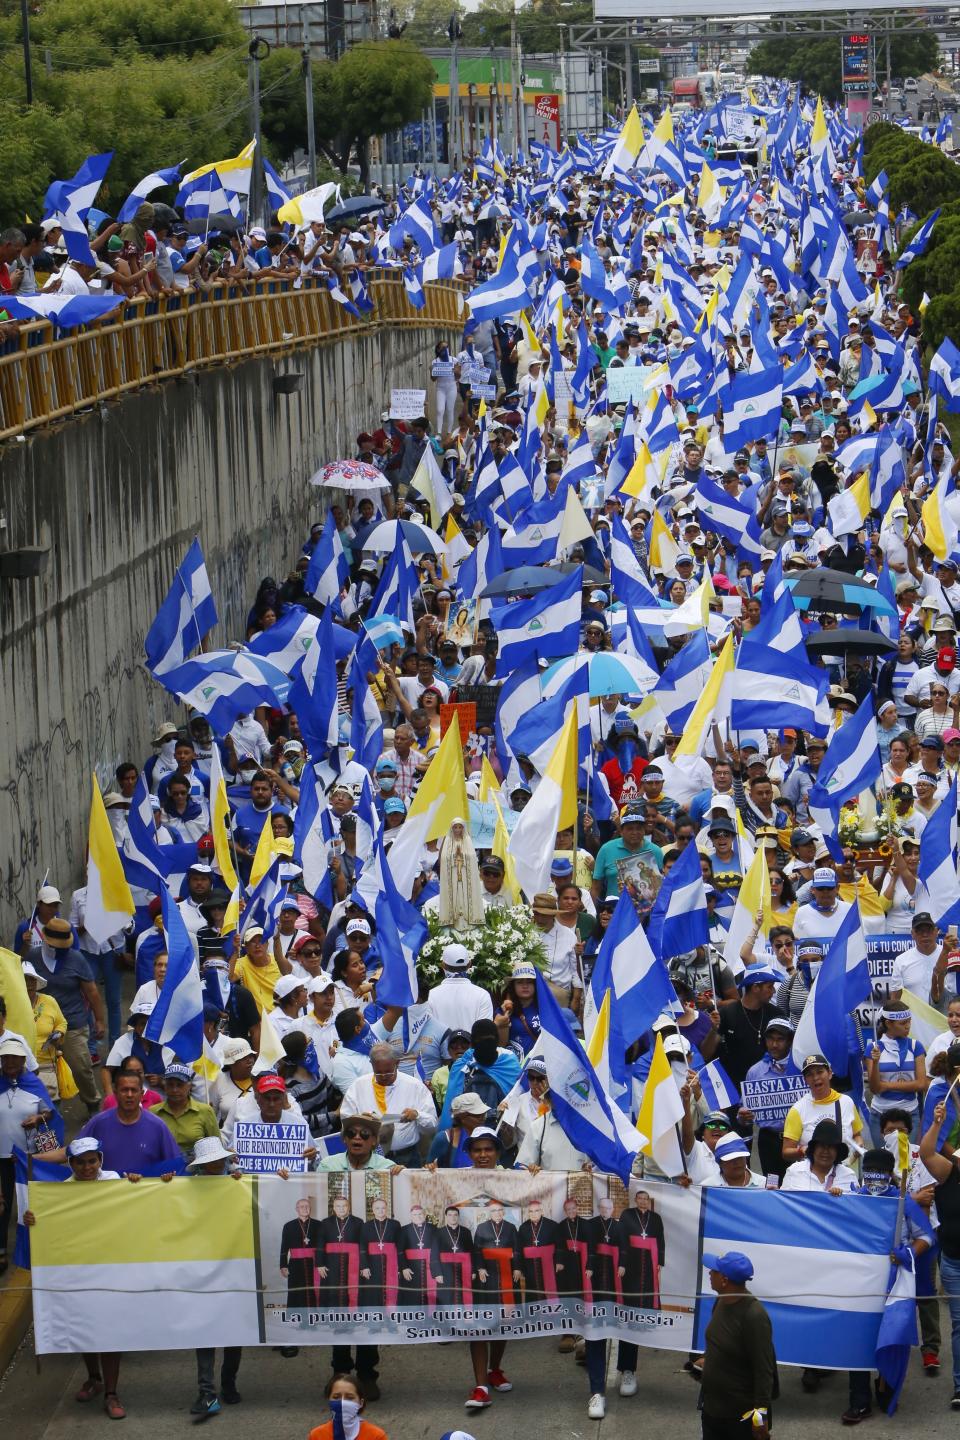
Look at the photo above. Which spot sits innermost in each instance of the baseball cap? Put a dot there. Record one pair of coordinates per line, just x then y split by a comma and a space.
732, 1148
270, 1082
716, 1120
394, 806
234, 1049
455, 957
823, 878
178, 1071
357, 927
468, 1103
734, 1265
48, 895
523, 970
812, 1061
84, 1145
286, 985
779, 1022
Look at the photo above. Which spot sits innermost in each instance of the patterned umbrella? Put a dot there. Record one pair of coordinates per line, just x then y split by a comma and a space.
354, 475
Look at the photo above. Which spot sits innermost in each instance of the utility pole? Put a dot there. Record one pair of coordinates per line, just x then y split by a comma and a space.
514, 108
258, 50
453, 104
308, 81
27, 66
564, 106
628, 82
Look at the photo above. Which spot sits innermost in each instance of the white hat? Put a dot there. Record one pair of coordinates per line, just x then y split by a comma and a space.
207, 1149
48, 895
252, 932
286, 985
30, 974
84, 1145
234, 1049
357, 927
455, 957
143, 1007
13, 1047
319, 984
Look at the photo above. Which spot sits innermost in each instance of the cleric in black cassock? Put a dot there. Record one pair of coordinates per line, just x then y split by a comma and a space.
537, 1239
606, 1255
299, 1240
339, 1259
457, 1262
420, 1269
574, 1252
642, 1243
497, 1258
380, 1260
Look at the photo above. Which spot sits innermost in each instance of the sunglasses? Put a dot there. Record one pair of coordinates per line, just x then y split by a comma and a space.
355, 1134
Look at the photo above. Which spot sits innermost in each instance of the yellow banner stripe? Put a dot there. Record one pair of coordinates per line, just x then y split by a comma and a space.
206, 1218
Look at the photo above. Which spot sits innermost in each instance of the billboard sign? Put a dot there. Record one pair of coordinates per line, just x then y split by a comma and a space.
855, 50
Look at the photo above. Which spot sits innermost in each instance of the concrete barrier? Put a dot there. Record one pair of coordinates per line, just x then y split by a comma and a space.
117, 495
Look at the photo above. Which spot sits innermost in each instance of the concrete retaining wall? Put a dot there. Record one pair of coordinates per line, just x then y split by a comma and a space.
118, 495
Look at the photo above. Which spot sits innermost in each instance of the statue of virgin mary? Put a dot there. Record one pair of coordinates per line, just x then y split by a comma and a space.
461, 895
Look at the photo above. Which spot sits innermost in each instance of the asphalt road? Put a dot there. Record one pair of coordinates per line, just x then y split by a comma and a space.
423, 1392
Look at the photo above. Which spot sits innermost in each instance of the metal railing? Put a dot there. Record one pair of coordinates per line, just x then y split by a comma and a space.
47, 375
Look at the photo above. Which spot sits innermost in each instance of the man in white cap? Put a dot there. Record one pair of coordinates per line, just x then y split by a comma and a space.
456, 1002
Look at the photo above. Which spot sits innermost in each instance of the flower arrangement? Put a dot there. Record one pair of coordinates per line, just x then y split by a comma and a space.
506, 936
848, 830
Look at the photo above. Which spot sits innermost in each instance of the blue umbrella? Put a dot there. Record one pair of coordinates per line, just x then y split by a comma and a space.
387, 535
610, 674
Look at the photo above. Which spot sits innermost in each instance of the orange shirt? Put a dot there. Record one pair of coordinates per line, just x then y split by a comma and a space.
367, 1431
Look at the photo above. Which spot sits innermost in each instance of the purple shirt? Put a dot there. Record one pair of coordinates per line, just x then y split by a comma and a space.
132, 1147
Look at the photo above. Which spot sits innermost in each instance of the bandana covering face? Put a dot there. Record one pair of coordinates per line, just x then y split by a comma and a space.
346, 1419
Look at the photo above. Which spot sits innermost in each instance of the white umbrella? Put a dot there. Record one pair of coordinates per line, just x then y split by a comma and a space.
354, 475
389, 533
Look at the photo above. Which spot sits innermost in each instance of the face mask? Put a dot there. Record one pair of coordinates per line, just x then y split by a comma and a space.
444, 352
876, 1184
346, 1419
387, 782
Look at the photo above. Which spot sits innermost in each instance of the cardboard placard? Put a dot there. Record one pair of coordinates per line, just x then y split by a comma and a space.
264, 1149
465, 713
407, 404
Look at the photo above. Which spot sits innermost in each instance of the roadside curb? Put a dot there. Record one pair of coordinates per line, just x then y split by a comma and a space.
15, 1314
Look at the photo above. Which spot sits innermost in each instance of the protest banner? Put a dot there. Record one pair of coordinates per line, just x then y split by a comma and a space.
483, 392
440, 369
407, 404
474, 374
366, 1257
769, 1100
264, 1149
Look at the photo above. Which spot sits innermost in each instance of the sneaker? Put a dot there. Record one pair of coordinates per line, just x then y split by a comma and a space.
854, 1417
931, 1363
478, 1399
229, 1393
597, 1407
499, 1381
204, 1407
628, 1383
955, 1401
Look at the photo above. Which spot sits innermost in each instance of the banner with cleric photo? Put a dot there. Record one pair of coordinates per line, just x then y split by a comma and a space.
456, 1254
428, 1256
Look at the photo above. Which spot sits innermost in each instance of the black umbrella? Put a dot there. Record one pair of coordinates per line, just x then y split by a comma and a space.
526, 578
837, 592
591, 576
210, 225
849, 642
352, 209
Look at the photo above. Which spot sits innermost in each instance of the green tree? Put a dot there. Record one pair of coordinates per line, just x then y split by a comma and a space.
376, 87
427, 21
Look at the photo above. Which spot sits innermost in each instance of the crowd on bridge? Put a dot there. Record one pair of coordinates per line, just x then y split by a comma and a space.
613, 698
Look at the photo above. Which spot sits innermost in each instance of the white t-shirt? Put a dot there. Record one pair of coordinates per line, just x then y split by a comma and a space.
913, 971
801, 1177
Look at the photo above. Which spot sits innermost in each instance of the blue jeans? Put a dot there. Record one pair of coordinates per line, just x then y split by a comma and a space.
106, 972
597, 1362
950, 1278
